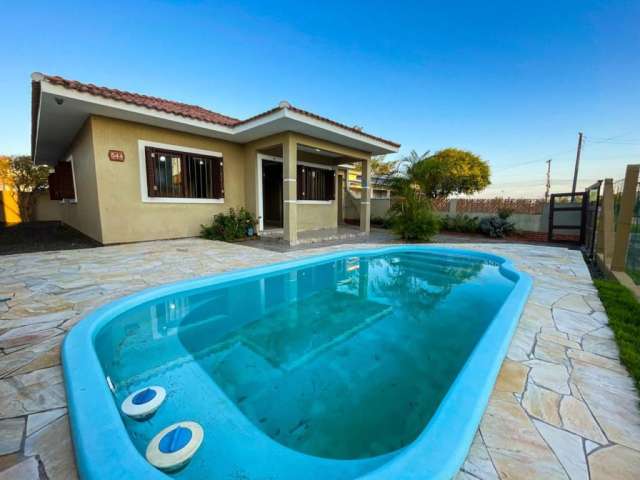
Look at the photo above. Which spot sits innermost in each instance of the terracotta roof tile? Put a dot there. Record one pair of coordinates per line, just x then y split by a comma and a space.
160, 104
191, 111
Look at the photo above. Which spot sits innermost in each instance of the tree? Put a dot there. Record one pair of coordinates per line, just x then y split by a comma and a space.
448, 172
27, 179
380, 167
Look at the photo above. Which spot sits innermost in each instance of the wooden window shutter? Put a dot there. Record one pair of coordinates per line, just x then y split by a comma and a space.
301, 182
54, 190
330, 185
64, 180
151, 155
217, 174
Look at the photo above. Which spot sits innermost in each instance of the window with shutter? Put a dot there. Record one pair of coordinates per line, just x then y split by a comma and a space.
176, 174
61, 186
316, 183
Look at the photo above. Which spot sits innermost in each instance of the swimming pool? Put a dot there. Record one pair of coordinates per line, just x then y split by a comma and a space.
359, 364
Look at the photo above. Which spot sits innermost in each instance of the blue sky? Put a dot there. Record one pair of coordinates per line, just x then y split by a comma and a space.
511, 81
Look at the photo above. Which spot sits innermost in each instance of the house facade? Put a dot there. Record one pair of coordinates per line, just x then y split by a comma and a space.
130, 167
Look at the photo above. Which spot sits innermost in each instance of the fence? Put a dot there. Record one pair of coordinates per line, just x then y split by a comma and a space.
633, 248
618, 244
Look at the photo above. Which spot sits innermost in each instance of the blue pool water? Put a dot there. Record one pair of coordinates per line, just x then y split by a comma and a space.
328, 369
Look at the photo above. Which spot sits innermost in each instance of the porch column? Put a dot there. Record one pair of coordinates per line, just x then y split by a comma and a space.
290, 190
365, 197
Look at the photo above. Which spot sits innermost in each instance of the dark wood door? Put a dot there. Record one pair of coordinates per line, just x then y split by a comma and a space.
272, 210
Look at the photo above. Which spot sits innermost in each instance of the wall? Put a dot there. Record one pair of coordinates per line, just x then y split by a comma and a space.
84, 214
125, 217
379, 207
45, 209
9, 209
110, 207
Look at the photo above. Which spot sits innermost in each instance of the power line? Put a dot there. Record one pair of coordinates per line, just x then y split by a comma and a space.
530, 162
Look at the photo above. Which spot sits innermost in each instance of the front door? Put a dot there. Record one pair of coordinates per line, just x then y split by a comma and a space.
272, 194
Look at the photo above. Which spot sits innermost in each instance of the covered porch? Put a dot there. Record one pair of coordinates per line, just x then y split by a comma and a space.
300, 186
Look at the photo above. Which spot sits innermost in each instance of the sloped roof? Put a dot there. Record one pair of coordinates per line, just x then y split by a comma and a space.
186, 110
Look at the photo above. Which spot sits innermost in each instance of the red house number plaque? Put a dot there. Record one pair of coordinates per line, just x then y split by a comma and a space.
116, 155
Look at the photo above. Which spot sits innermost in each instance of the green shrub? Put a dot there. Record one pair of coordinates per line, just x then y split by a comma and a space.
413, 219
381, 222
460, 223
234, 225
505, 212
496, 227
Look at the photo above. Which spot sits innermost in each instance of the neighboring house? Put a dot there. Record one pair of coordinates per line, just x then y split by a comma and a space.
378, 187
131, 167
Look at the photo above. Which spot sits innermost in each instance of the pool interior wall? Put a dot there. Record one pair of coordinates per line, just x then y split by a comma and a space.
331, 367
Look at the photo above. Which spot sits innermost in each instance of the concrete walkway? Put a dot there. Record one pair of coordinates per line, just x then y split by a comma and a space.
563, 406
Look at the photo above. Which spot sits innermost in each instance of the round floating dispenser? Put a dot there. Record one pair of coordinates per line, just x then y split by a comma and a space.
174, 446
144, 402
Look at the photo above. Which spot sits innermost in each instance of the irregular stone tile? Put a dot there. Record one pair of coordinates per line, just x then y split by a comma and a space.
590, 446
545, 296
27, 469
594, 302
37, 421
18, 359
568, 449
605, 347
550, 375
577, 418
559, 338
614, 463
522, 344
596, 360
550, 351
464, 476
602, 332
541, 403
8, 461
536, 316
612, 399
50, 358
11, 431
574, 323
53, 445
512, 377
32, 392
600, 317
512, 442
574, 303
27, 334
478, 462
53, 317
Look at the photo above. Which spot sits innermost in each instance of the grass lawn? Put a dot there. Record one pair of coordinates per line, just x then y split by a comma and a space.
624, 318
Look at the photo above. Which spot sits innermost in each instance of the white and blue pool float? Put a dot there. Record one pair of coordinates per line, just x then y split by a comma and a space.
174, 446
144, 402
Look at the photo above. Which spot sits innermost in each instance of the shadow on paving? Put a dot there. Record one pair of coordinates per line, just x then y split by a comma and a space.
41, 237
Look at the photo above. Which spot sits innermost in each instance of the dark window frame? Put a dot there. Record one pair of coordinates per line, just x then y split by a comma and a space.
191, 176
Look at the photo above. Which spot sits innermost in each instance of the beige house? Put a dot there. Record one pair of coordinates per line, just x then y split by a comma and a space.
131, 167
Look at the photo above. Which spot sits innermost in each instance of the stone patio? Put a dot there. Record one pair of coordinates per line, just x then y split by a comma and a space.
563, 406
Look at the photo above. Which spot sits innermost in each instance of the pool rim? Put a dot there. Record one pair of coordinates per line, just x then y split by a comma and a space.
102, 444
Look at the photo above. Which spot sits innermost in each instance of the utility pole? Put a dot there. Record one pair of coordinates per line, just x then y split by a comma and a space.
575, 172
546, 193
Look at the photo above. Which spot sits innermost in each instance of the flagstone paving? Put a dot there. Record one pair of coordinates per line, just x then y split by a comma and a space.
563, 406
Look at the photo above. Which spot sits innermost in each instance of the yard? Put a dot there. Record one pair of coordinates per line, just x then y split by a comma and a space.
551, 414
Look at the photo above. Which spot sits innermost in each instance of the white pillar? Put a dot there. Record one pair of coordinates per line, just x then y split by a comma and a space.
290, 190
365, 198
